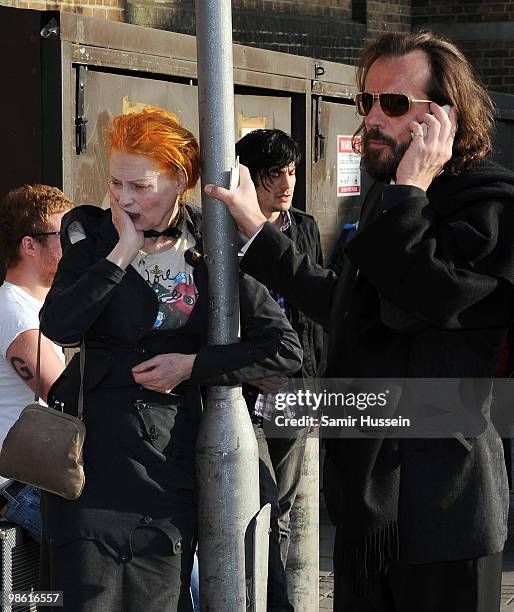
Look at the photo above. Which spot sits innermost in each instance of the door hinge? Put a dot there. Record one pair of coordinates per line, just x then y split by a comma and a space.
80, 121
319, 139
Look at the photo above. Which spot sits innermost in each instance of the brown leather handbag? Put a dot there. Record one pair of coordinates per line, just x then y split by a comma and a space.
44, 446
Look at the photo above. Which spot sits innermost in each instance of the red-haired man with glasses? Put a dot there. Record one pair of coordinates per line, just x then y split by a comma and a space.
427, 292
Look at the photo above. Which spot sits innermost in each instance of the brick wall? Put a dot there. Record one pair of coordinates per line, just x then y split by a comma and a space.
319, 8
484, 30
393, 16
493, 61
326, 29
104, 9
324, 37
428, 12
335, 30
380, 15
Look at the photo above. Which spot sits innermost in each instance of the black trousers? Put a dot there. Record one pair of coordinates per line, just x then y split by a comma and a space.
152, 578
469, 585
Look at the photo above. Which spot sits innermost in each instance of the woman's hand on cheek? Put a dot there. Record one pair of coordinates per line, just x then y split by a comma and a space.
130, 239
125, 226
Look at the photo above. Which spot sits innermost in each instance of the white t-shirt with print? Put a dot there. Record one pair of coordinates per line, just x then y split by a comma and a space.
18, 313
171, 277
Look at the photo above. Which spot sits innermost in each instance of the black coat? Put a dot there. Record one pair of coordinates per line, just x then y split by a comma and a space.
304, 233
434, 297
139, 451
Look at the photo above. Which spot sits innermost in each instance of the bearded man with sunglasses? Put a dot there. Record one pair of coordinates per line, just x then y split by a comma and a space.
421, 523
30, 249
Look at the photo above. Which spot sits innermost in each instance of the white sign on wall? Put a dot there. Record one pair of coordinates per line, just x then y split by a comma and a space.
348, 168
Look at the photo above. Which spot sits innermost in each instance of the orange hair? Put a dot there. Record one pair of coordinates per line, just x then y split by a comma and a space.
157, 134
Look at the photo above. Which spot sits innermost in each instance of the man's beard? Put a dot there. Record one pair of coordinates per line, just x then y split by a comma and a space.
381, 164
48, 268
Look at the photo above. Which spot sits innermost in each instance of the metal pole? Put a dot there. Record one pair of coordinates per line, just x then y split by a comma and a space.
227, 458
303, 556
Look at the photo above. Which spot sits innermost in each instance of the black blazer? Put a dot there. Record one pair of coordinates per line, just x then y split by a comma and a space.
93, 298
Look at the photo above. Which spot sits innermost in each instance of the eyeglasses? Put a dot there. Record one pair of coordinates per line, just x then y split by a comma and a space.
393, 104
44, 234
36, 234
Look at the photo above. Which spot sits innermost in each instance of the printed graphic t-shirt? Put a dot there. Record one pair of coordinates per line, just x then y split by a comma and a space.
171, 277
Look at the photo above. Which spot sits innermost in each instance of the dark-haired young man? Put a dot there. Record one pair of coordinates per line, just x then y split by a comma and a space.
421, 523
30, 219
272, 158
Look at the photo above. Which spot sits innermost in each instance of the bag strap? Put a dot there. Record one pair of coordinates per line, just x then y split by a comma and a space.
37, 388
80, 411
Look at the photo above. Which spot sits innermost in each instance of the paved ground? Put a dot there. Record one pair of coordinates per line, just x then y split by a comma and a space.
508, 565
326, 583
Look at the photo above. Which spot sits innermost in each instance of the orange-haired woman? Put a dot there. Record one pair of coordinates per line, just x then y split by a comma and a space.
132, 284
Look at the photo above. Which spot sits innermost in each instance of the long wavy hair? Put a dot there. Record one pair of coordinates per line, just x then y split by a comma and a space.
452, 82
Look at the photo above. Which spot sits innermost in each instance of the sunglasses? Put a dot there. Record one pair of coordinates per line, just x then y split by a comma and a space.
392, 104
